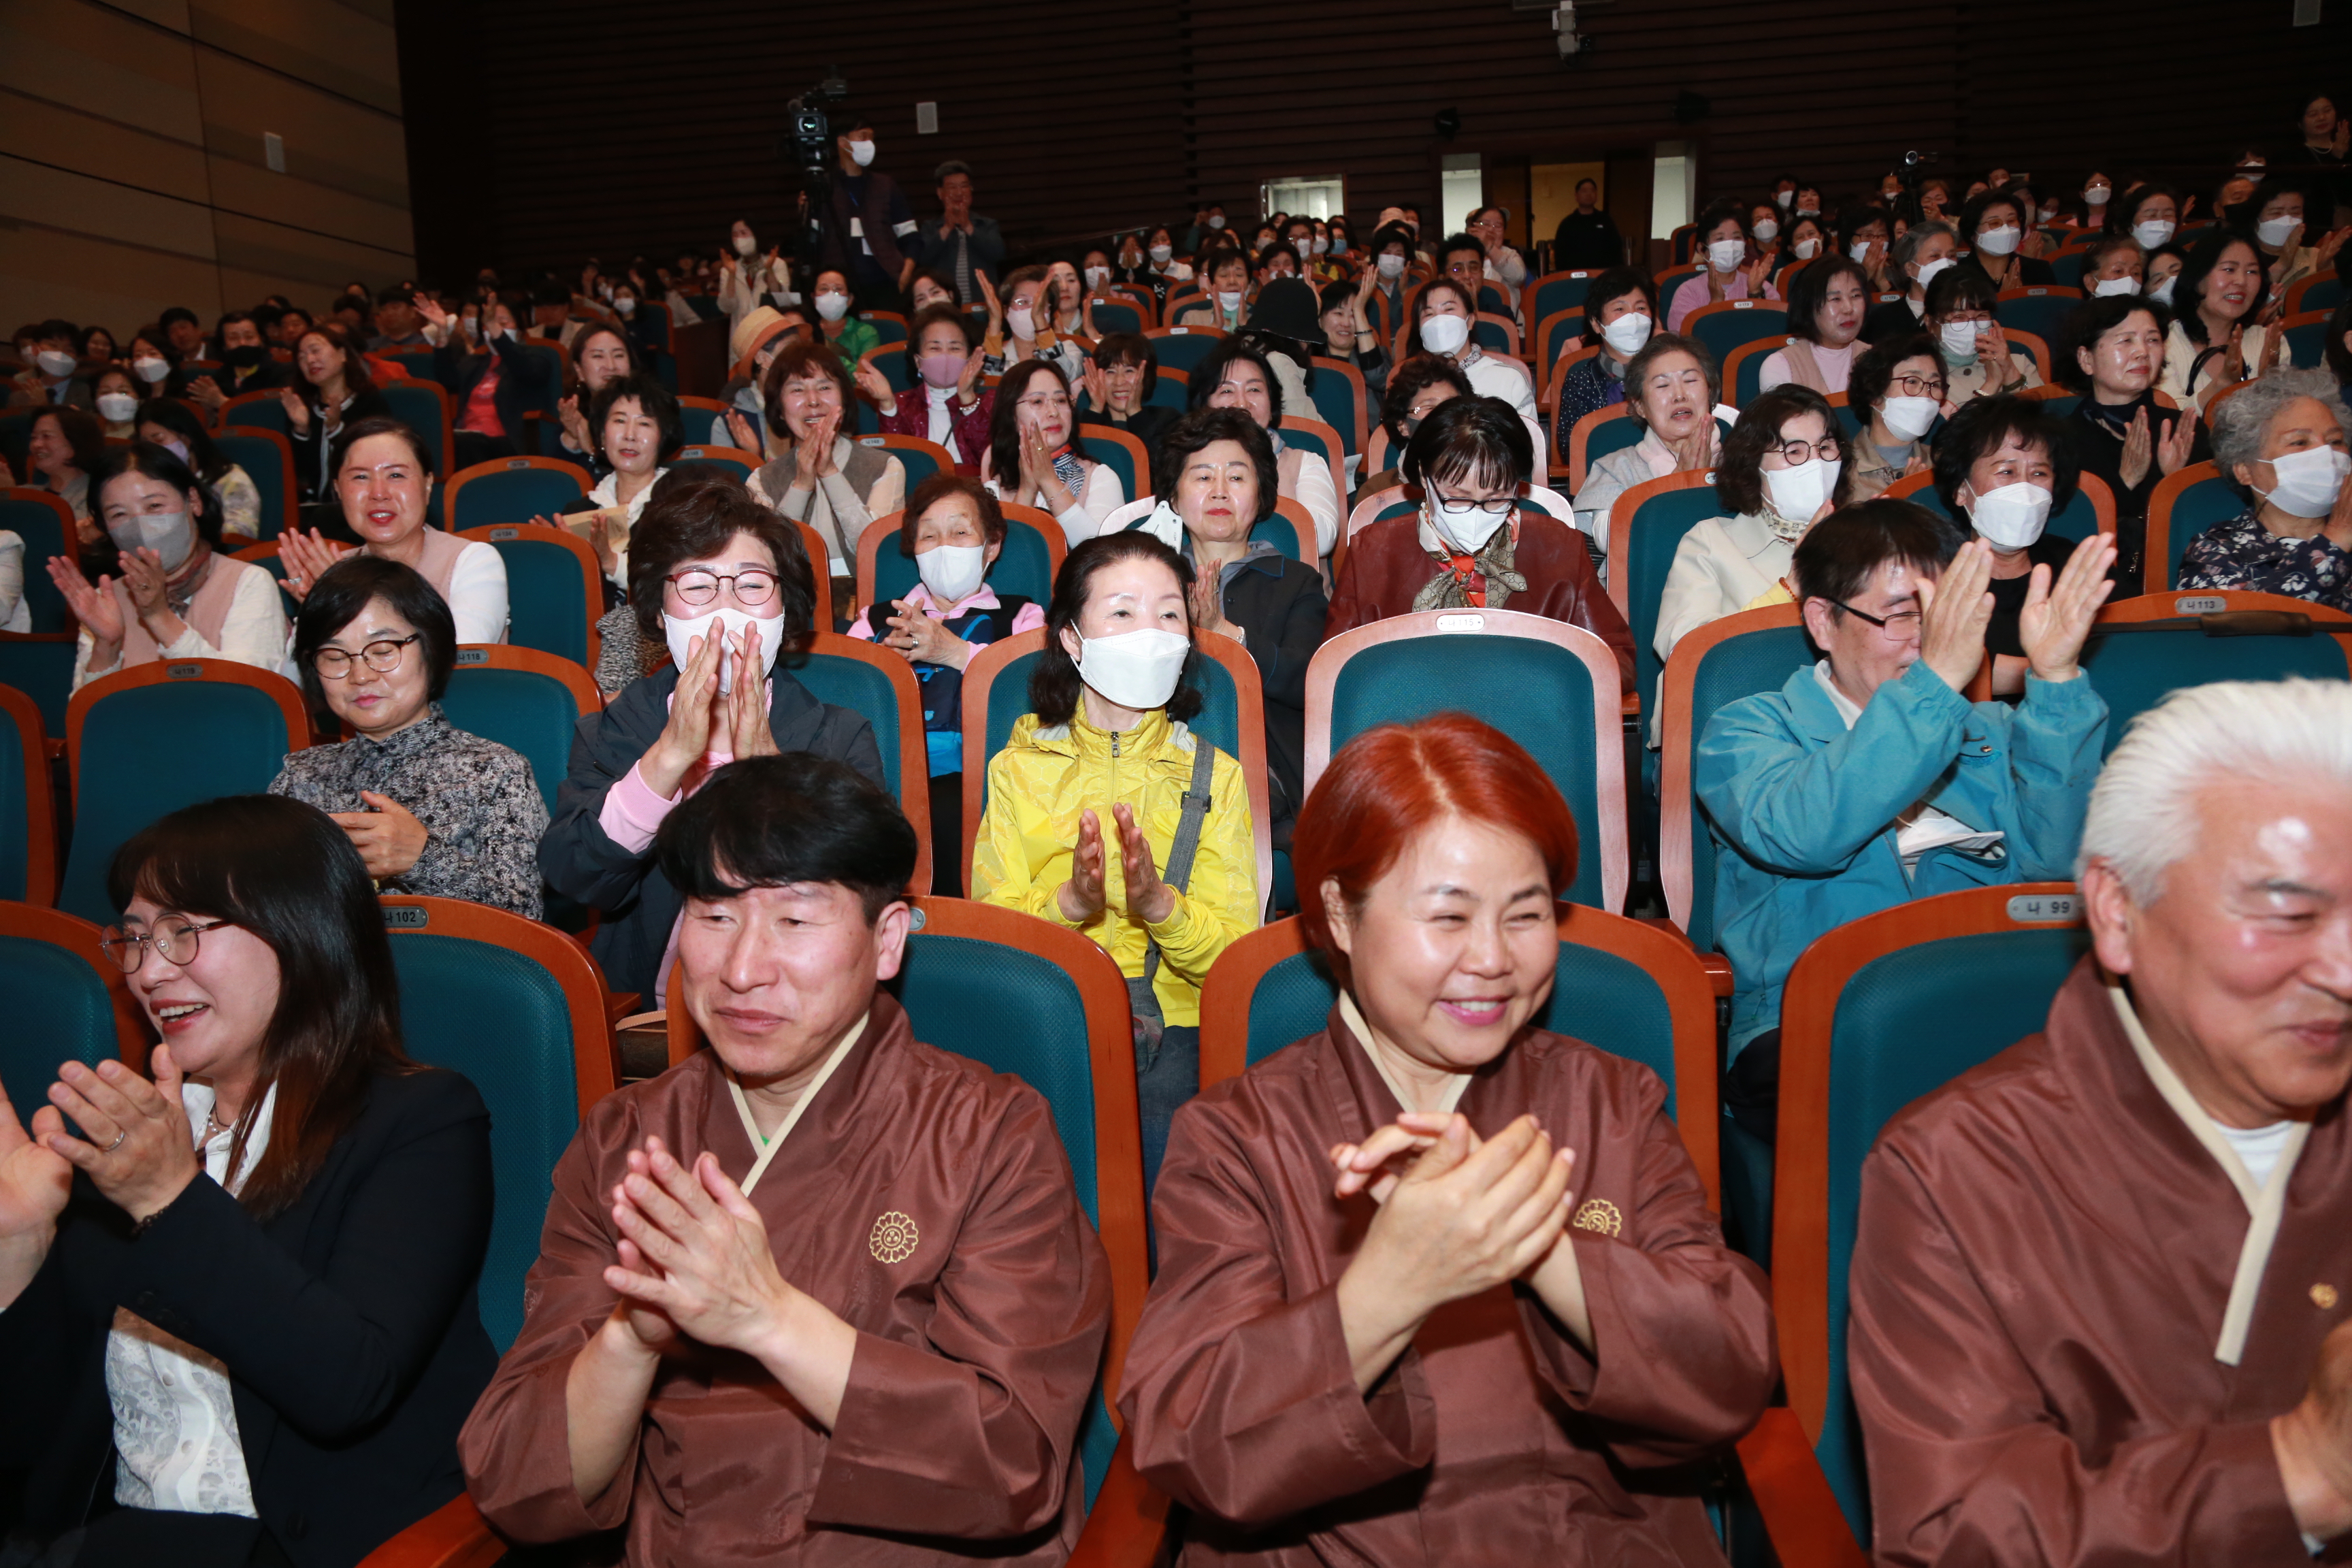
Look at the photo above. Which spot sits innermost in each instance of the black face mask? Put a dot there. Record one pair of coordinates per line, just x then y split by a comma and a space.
245, 356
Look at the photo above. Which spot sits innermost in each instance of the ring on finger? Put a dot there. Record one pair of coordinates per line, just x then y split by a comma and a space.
119, 1137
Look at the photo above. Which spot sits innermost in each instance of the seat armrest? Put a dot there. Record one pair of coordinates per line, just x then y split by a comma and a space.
1717, 967
452, 1536
1128, 1524
1801, 1515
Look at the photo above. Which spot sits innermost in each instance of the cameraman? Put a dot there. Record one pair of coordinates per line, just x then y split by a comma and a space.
870, 218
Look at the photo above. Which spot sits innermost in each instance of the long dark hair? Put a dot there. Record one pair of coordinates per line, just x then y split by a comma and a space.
1005, 421
285, 872
356, 378
156, 463
1054, 683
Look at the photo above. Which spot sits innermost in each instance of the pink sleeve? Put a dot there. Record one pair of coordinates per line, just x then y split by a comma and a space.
632, 812
1032, 616
862, 628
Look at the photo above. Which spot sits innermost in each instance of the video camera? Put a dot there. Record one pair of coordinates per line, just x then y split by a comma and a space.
809, 146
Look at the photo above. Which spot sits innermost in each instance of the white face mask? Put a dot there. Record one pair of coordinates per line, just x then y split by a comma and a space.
2308, 481
1797, 492
1723, 255
2011, 516
1443, 334
625, 306
2273, 231
2152, 234
1161, 253
177, 448
1465, 527
861, 153
1997, 241
746, 246
2162, 292
1135, 669
1304, 248
1216, 220
679, 632
2097, 196
952, 572
2115, 286
1960, 340
149, 369
1765, 228
166, 534
1908, 418
1928, 270
117, 407
1859, 251
1626, 335
1391, 266
1022, 320
1321, 246
1097, 275
53, 362
1808, 248
1229, 301
833, 306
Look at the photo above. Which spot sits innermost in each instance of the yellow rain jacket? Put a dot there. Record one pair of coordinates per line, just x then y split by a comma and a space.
1046, 775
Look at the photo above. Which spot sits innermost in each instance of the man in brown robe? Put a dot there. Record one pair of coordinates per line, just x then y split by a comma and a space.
1496, 1436
2101, 1283
821, 1294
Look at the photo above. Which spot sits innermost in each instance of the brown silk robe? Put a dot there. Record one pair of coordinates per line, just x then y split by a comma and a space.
2038, 1286
928, 1203
1495, 1438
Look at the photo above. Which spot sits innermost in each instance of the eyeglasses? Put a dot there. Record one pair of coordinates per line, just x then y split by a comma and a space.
1490, 508
383, 655
174, 936
1827, 449
1903, 625
752, 587
1932, 387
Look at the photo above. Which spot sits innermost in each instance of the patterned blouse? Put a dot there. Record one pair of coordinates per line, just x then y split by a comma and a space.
2242, 553
482, 813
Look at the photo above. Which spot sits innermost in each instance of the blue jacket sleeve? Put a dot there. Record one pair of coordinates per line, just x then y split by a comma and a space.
1808, 813
2055, 738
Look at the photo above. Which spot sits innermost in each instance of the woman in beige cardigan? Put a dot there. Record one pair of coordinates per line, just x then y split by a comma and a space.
825, 478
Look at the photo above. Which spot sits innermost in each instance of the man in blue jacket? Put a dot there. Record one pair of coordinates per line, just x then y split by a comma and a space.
1868, 779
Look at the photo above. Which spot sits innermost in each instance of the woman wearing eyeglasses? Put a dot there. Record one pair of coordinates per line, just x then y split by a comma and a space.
723, 583
237, 1302
432, 809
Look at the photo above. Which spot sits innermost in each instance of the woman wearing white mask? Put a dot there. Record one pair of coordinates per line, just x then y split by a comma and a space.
953, 409
178, 597
2121, 432
1028, 330
1900, 382
837, 316
1992, 227
1226, 304
1865, 235
2283, 441
825, 478
1392, 257
2003, 466
1826, 307
1106, 747
1033, 458
115, 393
1732, 269
2150, 214
1977, 358
1448, 311
745, 277
1764, 228
1925, 250
1471, 544
1784, 469
173, 425
1621, 311
724, 584
954, 531
1671, 389
2295, 247
1167, 270
2216, 340
2090, 210
1804, 240
2114, 265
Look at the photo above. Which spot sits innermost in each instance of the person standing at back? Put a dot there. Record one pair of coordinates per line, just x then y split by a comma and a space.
959, 243
871, 222
1587, 236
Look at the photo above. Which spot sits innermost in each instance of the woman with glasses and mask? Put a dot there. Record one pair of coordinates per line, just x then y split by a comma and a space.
1977, 361
431, 809
1471, 545
238, 1319
1992, 227
1901, 383
724, 584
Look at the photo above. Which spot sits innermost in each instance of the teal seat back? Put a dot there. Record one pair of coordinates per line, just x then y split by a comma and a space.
1026, 566
547, 605
894, 363
888, 326
711, 459
1336, 405
1741, 666
2195, 509
43, 671
523, 1068
1185, 349
552, 361
2043, 315
2135, 671
264, 462
152, 750
1008, 699
1597, 997
1491, 336
36, 522
1723, 333
57, 1011
918, 466
266, 414
416, 364
704, 428
418, 405
2060, 407
1120, 461
1017, 1012
2324, 294
1563, 293
2068, 269
1906, 1024
1168, 390
1312, 441
1535, 692
15, 809
1559, 336
865, 691
1119, 316
1610, 436
513, 495
528, 713
15, 434
1659, 524
1748, 381
2307, 344
1281, 533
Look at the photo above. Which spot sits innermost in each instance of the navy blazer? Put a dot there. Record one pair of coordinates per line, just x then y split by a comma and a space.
349, 1324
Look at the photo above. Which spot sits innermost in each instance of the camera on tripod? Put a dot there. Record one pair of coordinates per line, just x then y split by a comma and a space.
809, 143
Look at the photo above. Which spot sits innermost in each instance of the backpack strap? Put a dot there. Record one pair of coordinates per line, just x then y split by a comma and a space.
1180, 853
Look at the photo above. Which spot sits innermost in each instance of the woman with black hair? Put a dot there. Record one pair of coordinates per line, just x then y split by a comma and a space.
331, 392
1033, 458
1977, 361
638, 430
1992, 226
1237, 375
1106, 746
432, 809
169, 423
248, 1288
2114, 348
1121, 379
600, 355
1827, 302
2216, 340
1621, 312
1730, 268
177, 597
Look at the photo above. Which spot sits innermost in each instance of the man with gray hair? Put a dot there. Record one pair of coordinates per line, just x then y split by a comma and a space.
2101, 1290
2281, 441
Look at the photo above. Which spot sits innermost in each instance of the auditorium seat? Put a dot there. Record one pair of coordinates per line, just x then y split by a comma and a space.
703, 421
879, 684
1342, 403
1645, 528
424, 406
733, 459
511, 490
526, 700
1183, 347
66, 1002
146, 740
921, 458
40, 664
1033, 553
1123, 453
2184, 504
45, 522
267, 458
28, 818
1727, 325
1551, 687
555, 591
2143, 649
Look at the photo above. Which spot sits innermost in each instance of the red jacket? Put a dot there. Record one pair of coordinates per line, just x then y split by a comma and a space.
913, 418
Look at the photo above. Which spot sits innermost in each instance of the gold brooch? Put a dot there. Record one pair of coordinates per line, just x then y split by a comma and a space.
1600, 1215
2323, 1297
895, 1238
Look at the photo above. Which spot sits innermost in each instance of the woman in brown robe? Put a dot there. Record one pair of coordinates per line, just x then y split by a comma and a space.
1436, 1286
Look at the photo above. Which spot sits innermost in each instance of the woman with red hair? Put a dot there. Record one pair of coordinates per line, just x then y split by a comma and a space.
1435, 1284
